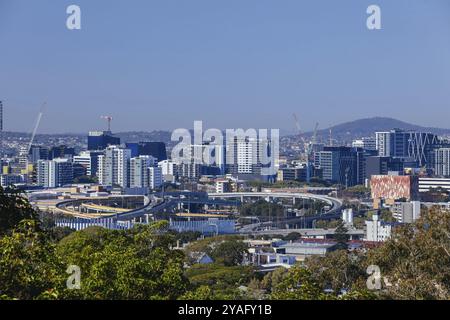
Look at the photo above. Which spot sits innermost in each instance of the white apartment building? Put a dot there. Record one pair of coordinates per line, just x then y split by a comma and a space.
246, 156
54, 173
113, 167
168, 167
376, 230
383, 143
140, 168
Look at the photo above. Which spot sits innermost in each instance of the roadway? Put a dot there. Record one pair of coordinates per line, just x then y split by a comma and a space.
154, 205
334, 211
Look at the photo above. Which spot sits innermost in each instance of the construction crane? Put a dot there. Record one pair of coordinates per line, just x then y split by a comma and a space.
36, 126
297, 123
108, 119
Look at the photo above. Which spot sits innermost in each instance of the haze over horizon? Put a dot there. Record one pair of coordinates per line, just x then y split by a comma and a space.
283, 131
161, 65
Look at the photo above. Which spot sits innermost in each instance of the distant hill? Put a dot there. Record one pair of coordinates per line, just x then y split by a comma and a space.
367, 127
344, 132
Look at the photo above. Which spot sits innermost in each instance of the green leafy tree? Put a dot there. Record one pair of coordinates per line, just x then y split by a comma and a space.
206, 245
339, 271
262, 208
415, 262
293, 236
229, 253
136, 264
187, 236
341, 236
298, 285
14, 208
30, 268
205, 293
273, 279
223, 282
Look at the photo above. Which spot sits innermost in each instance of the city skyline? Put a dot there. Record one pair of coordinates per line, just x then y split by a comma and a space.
161, 66
221, 155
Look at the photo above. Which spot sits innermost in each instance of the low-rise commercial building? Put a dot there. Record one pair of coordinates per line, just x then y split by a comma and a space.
377, 230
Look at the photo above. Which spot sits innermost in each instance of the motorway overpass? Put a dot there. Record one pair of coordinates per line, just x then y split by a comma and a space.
334, 211
335, 204
155, 204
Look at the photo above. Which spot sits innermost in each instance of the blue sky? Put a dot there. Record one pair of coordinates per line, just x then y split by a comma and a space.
163, 64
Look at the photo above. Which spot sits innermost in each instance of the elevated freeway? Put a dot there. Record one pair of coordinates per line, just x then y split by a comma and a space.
334, 203
333, 212
159, 203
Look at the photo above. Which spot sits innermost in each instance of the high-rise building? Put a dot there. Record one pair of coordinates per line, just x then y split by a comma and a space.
155, 177
417, 145
343, 165
392, 143
100, 140
250, 157
113, 167
442, 162
144, 173
139, 171
421, 146
54, 173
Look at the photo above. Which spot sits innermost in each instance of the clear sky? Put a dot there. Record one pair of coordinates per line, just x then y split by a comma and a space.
231, 63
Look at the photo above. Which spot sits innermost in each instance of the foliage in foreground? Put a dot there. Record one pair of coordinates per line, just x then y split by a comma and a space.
142, 264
